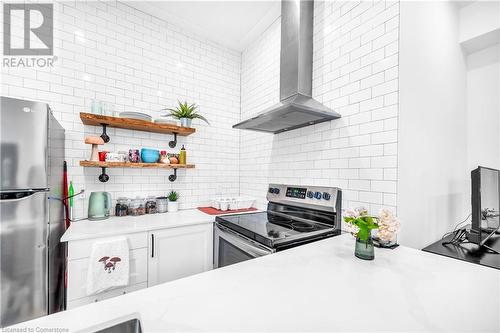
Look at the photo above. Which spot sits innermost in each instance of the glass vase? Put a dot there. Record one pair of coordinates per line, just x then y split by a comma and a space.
364, 249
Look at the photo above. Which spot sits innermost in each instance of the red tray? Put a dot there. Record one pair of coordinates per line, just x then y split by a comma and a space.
213, 211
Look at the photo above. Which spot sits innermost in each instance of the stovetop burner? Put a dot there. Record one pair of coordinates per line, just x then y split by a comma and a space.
302, 226
271, 229
277, 234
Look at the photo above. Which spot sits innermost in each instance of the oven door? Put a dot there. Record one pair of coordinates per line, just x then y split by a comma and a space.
231, 248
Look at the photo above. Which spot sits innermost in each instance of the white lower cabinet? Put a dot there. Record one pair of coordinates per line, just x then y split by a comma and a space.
105, 295
78, 269
79, 253
155, 257
179, 252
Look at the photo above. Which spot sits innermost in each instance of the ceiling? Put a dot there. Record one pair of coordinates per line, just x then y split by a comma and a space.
234, 24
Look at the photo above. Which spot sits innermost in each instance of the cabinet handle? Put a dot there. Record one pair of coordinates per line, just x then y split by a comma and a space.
152, 245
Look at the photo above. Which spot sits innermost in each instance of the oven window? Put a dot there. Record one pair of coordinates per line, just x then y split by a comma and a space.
230, 254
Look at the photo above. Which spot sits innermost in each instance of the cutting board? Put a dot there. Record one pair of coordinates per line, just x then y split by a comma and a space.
213, 211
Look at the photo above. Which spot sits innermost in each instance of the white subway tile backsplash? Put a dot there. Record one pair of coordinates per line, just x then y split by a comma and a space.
384, 137
371, 197
115, 53
112, 52
385, 112
385, 88
371, 150
371, 174
371, 127
360, 185
391, 174
384, 162
390, 199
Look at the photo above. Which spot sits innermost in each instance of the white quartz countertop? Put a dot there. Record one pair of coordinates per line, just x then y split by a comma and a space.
130, 224
319, 286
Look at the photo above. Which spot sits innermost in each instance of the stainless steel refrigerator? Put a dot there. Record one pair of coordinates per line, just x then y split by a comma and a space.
32, 258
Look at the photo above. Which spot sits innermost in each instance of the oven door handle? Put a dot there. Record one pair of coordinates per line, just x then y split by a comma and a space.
244, 244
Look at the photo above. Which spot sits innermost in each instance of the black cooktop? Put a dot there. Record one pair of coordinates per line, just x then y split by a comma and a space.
274, 230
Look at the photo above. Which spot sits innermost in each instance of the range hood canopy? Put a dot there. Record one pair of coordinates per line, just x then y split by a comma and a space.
296, 108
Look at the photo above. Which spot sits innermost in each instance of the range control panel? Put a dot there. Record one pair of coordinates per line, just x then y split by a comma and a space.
307, 195
296, 192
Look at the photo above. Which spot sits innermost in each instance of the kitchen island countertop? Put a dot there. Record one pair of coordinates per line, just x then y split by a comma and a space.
319, 286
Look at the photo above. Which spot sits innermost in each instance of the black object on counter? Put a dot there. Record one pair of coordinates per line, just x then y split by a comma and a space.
468, 252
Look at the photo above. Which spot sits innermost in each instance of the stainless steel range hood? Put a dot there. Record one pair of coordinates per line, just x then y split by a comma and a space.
296, 108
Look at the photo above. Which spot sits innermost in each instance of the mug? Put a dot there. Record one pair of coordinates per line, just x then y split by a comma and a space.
122, 156
102, 156
134, 155
112, 157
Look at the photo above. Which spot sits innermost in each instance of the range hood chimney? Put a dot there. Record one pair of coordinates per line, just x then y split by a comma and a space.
296, 108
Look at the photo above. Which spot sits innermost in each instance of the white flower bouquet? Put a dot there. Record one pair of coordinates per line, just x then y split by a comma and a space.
388, 224
388, 227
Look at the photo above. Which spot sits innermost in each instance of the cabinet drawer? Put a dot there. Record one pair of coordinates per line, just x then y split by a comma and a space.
105, 295
83, 248
77, 273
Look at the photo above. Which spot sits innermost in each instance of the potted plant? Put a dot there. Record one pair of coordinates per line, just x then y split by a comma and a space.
361, 224
172, 205
185, 113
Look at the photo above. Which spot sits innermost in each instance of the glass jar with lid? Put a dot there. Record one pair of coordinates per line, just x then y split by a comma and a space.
161, 204
121, 208
151, 205
137, 207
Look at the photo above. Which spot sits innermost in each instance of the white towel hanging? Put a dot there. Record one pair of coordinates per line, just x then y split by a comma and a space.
108, 266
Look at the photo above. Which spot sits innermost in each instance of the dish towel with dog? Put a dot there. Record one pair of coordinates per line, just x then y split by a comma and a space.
108, 266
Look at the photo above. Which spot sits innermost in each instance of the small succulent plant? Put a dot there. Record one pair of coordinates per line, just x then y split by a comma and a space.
173, 196
184, 110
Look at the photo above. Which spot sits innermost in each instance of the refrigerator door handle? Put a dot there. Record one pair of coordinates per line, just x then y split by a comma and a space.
19, 196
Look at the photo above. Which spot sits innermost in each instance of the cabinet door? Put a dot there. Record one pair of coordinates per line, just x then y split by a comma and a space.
179, 252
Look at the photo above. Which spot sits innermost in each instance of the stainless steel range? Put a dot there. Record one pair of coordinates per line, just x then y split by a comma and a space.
295, 215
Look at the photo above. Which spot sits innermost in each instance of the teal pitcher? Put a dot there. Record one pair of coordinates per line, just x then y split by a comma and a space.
99, 206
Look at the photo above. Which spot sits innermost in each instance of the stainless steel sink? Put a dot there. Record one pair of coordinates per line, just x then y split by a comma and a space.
129, 326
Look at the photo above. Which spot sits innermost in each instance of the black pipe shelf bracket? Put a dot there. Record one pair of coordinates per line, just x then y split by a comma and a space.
104, 135
173, 143
103, 177
173, 177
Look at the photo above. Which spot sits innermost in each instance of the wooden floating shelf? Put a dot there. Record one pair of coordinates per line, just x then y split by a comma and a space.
94, 164
134, 124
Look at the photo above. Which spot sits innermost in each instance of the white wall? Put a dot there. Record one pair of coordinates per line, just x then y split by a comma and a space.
112, 52
434, 185
478, 18
356, 74
483, 108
